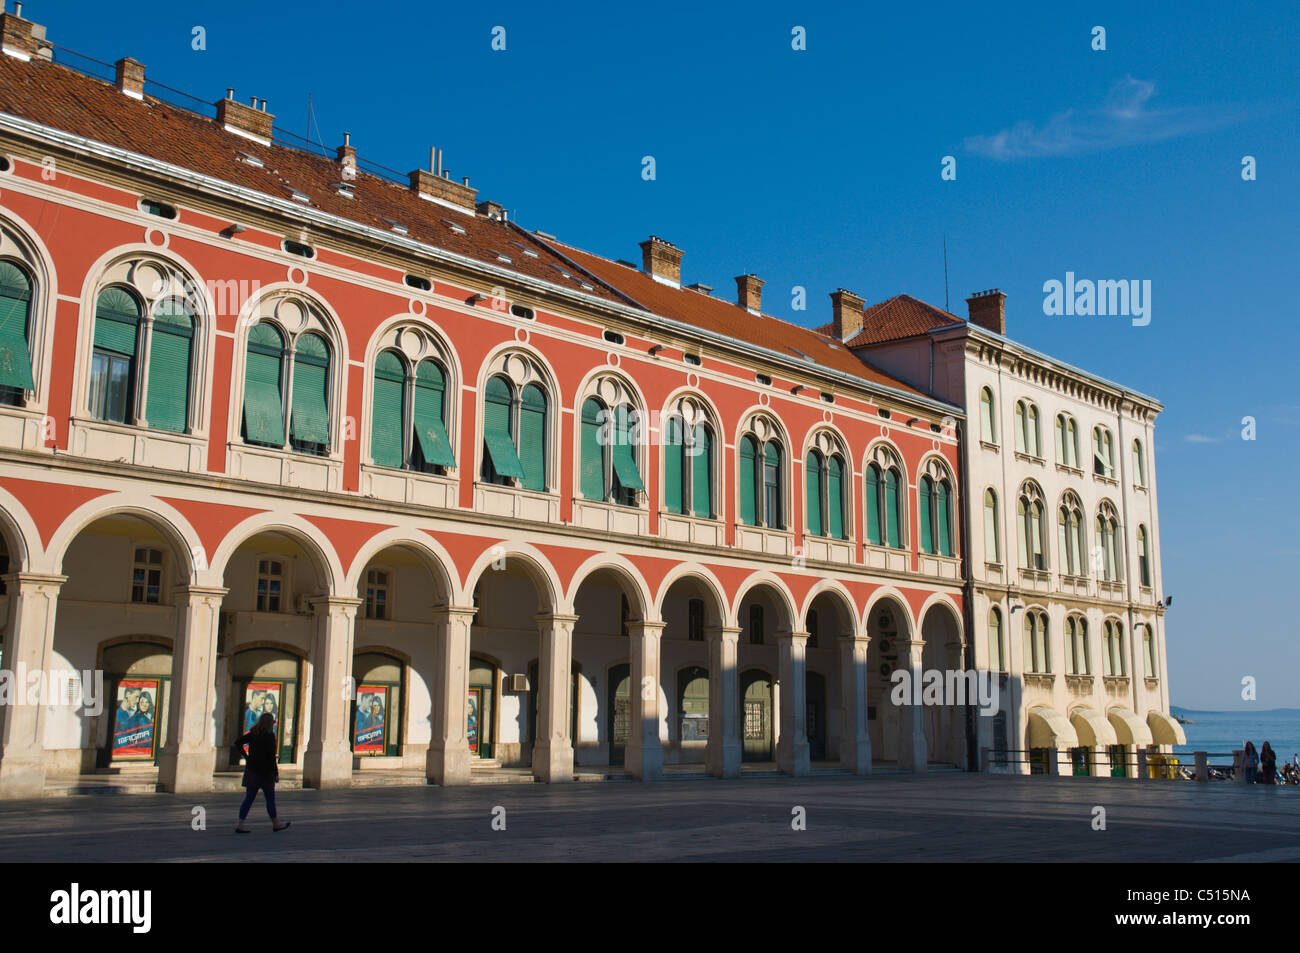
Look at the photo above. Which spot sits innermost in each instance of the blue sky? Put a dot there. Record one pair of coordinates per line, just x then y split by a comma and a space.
821, 168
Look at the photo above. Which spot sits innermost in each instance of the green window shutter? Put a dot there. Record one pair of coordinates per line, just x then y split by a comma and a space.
945, 520
15, 307
496, 429
167, 403
702, 473
748, 480
532, 437
430, 429
624, 450
387, 410
311, 364
812, 468
592, 476
893, 512
874, 490
835, 498
773, 518
673, 500
927, 536
263, 407
117, 320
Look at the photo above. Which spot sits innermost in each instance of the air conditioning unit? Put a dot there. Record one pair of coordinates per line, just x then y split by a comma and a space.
517, 683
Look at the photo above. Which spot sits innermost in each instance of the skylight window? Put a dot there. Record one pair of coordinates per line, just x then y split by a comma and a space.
458, 229
795, 350
562, 271
252, 160
297, 196
396, 226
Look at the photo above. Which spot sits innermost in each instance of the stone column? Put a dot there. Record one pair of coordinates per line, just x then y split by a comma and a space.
188, 755
553, 752
448, 759
855, 740
645, 752
28, 645
911, 742
792, 744
723, 753
1100, 763
328, 761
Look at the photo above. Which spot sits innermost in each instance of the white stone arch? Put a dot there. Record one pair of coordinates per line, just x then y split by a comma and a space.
942, 602
702, 575
837, 590
19, 240
426, 548
623, 567
314, 542
312, 315
426, 339
613, 387
156, 275
765, 424
891, 594
546, 582
765, 579
21, 535
534, 368
187, 546
884, 453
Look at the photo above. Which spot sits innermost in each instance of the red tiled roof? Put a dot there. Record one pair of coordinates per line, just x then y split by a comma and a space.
901, 316
64, 99
723, 317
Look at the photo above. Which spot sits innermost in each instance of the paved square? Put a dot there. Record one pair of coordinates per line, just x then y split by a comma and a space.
941, 817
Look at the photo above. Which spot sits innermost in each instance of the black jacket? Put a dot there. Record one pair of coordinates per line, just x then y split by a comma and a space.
262, 754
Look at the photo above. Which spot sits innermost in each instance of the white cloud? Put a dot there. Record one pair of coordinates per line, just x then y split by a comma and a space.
1200, 438
1124, 119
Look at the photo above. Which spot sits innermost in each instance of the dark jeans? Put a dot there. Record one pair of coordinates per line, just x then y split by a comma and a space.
267, 787
1250, 776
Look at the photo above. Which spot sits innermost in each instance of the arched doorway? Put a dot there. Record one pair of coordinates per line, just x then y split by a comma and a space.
618, 711
887, 652
757, 734
377, 709
829, 620
263, 680
945, 724
137, 677
481, 708
692, 613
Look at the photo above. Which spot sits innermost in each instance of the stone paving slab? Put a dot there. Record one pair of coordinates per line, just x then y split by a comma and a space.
896, 817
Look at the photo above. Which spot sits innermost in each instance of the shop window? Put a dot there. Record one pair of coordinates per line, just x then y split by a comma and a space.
146, 575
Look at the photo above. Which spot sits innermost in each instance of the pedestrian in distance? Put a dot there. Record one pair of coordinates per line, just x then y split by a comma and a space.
1267, 764
1250, 761
261, 770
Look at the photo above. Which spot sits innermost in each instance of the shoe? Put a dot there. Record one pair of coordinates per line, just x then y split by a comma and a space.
280, 827
241, 829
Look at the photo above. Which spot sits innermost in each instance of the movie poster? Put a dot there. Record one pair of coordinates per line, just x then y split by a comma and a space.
370, 736
136, 719
472, 713
261, 698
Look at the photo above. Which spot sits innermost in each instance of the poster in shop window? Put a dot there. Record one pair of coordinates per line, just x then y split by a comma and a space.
262, 698
135, 721
371, 731
471, 723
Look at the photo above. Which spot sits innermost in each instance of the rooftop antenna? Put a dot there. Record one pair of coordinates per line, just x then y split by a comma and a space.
945, 273
311, 121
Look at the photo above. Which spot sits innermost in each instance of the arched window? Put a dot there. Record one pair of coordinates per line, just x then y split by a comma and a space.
815, 477
1139, 465
1076, 644
1144, 559
688, 438
772, 494
700, 454
171, 350
835, 484
1103, 452
1029, 525
1148, 650
992, 551
263, 392
408, 429
1038, 659
1027, 429
884, 504
113, 361
987, 432
514, 434
824, 476
997, 653
1070, 539
609, 470
1107, 554
935, 513
309, 422
761, 487
1113, 641
1067, 441
15, 333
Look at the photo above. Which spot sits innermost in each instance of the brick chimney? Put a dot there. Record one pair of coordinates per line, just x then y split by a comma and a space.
247, 121
846, 317
749, 293
347, 159
130, 77
23, 39
662, 261
988, 309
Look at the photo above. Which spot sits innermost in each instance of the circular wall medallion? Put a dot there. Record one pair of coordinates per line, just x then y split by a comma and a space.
297, 275
611, 359
521, 335
156, 237
416, 307
935, 444
764, 400
693, 380
884, 431
827, 416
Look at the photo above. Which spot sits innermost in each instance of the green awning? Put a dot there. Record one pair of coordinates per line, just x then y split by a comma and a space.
502, 451
263, 416
434, 443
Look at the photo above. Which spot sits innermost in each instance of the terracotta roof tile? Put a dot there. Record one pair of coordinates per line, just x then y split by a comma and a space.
901, 316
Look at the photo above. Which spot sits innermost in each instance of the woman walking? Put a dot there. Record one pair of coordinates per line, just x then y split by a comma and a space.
260, 770
1250, 761
1267, 764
